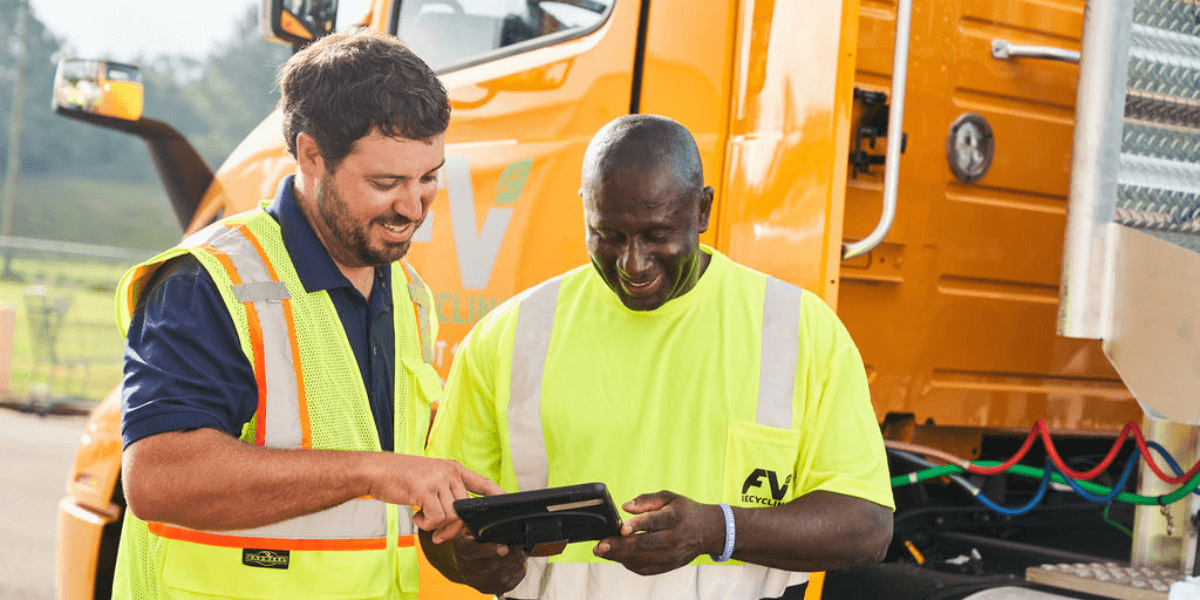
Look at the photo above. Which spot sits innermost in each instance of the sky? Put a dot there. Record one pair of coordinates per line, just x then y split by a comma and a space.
125, 29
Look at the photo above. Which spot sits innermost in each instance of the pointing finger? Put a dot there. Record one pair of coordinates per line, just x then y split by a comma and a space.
479, 484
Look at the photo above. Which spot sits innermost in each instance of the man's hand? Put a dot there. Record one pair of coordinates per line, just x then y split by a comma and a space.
489, 568
430, 483
668, 531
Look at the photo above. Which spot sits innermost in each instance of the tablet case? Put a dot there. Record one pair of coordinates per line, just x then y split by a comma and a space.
542, 521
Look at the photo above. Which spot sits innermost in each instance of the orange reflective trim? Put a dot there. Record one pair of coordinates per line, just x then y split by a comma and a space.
137, 283
225, 262
258, 248
234, 541
301, 397
260, 373
256, 346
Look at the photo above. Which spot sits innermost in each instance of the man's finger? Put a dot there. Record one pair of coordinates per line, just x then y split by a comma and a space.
446, 498
436, 510
478, 484
447, 531
658, 520
458, 490
421, 520
648, 502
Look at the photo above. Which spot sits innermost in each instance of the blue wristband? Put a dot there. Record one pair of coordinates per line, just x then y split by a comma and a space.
730, 535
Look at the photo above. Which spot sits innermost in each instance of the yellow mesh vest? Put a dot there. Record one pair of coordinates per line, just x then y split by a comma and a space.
184, 564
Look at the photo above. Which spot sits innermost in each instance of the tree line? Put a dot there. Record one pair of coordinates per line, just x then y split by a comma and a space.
213, 101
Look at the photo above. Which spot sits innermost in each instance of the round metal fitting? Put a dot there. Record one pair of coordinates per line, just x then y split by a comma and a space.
970, 147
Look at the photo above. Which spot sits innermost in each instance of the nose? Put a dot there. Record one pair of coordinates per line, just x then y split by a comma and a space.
408, 201
634, 258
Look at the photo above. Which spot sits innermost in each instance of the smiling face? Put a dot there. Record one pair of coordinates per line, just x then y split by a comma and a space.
643, 233
367, 209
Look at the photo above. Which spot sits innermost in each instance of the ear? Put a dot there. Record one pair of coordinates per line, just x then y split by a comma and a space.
308, 157
706, 200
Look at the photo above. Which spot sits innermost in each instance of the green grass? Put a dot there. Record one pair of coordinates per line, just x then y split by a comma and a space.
95, 211
87, 211
89, 344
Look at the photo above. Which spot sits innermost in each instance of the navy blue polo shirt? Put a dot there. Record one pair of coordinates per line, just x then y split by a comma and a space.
184, 365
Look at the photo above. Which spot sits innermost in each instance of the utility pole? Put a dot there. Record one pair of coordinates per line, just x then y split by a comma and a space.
16, 121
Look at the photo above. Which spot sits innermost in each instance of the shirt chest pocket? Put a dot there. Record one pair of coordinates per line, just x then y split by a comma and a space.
759, 465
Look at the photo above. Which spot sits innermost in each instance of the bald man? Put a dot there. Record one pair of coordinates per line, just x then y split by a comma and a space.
666, 366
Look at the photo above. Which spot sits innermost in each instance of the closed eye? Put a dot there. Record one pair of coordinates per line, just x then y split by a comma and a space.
384, 184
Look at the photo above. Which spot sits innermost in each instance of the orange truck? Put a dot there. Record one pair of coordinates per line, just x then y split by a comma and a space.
909, 161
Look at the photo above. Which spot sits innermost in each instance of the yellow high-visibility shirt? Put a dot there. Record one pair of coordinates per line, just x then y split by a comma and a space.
668, 399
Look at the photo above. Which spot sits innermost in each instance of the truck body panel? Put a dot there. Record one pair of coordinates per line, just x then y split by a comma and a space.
954, 312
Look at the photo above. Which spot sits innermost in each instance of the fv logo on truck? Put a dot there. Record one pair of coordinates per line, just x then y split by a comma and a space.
477, 249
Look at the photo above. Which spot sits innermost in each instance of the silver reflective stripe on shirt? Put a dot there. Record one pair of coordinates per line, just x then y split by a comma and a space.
612, 581
420, 295
535, 322
780, 350
282, 428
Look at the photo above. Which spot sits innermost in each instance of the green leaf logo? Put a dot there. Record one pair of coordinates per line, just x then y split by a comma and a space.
512, 181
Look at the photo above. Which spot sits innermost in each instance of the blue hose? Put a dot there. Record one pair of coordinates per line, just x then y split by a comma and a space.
1155, 446
1116, 488
1041, 493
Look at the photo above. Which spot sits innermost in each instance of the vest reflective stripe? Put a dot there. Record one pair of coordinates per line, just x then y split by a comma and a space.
535, 321
256, 344
360, 523
228, 541
282, 426
570, 581
283, 419
422, 306
780, 350
261, 291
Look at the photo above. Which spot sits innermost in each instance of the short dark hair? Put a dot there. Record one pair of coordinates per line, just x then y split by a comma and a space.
642, 141
343, 86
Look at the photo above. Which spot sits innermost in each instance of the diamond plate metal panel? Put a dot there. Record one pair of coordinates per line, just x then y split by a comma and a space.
1158, 187
1180, 16
1156, 141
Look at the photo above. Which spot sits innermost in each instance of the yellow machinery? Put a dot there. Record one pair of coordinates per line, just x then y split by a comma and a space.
909, 161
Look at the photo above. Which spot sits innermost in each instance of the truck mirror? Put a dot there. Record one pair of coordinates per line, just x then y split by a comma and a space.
297, 22
99, 87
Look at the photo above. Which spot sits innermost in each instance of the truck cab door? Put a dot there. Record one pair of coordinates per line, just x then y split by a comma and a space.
530, 81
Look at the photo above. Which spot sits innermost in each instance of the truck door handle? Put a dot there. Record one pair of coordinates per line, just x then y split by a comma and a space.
1006, 50
891, 165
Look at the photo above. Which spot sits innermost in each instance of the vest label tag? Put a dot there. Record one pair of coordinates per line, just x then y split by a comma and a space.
269, 559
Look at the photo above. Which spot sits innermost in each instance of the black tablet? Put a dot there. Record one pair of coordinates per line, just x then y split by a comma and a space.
542, 521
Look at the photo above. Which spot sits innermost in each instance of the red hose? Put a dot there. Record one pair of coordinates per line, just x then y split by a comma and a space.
1040, 429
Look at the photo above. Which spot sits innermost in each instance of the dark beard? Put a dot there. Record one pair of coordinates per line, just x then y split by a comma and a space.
334, 212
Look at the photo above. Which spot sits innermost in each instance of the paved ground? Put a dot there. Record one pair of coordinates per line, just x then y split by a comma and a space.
35, 454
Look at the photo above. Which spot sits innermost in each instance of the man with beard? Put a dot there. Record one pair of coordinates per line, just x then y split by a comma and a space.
277, 384
727, 410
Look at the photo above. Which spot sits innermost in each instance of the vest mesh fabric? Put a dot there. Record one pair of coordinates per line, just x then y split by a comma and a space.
136, 583
331, 402
338, 409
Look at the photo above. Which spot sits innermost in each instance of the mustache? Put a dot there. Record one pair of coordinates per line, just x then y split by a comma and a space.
393, 221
